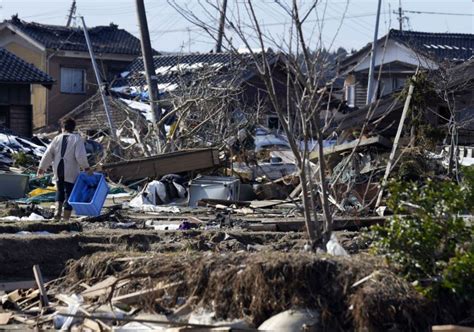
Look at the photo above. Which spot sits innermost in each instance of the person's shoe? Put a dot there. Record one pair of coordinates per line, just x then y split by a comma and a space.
67, 215
58, 212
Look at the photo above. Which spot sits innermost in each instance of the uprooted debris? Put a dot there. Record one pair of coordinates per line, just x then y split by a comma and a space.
232, 287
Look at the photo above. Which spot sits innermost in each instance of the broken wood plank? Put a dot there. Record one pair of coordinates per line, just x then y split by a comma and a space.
451, 328
99, 289
375, 140
136, 297
296, 192
92, 325
263, 227
28, 296
5, 317
40, 283
167, 163
340, 223
213, 201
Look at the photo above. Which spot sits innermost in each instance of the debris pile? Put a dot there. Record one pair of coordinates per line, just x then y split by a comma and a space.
239, 290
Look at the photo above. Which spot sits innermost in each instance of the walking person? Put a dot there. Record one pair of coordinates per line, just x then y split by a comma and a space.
67, 155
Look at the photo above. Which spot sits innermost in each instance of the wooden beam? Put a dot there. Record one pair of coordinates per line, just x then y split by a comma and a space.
39, 281
376, 140
5, 318
451, 328
167, 163
138, 296
341, 223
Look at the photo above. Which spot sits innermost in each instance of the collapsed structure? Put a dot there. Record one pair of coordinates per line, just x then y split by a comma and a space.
213, 230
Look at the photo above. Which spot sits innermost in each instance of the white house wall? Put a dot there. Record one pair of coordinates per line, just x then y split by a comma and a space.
395, 52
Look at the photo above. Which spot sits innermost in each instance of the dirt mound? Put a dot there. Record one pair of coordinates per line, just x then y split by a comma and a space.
256, 286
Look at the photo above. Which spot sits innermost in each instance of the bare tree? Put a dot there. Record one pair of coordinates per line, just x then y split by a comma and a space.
305, 89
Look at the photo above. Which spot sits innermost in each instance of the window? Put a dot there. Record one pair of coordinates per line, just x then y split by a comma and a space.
73, 80
350, 95
398, 83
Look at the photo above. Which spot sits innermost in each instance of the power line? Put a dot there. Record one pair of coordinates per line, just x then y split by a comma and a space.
436, 13
185, 29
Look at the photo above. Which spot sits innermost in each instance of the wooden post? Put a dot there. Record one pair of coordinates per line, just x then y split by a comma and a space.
151, 79
221, 27
395, 144
39, 281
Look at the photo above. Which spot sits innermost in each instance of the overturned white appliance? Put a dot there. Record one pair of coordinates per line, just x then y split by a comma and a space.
213, 187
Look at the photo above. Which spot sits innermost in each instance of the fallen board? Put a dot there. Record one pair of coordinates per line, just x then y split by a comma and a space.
376, 140
167, 163
339, 223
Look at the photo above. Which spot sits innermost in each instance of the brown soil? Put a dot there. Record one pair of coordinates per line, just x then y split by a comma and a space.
18, 253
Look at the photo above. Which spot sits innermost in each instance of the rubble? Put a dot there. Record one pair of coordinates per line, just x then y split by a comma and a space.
213, 231
185, 250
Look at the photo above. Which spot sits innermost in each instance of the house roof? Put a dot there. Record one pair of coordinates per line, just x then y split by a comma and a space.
388, 104
90, 115
175, 70
456, 47
443, 46
462, 76
15, 70
105, 39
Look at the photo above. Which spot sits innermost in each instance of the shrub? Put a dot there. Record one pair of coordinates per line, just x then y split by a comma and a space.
426, 237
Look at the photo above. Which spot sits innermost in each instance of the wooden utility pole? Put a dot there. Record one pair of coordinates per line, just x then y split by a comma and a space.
100, 82
370, 85
221, 27
72, 11
400, 17
150, 74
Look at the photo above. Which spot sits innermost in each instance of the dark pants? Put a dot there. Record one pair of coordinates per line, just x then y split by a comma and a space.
63, 191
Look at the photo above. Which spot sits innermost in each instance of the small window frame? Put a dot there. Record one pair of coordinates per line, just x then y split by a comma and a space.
71, 87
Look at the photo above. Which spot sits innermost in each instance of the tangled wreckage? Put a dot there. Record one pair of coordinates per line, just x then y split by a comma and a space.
211, 232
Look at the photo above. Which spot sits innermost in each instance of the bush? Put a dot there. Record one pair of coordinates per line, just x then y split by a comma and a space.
426, 238
458, 276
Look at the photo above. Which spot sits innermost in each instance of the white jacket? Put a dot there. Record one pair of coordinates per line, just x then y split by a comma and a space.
74, 158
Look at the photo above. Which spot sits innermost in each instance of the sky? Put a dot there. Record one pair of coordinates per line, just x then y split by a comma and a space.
171, 32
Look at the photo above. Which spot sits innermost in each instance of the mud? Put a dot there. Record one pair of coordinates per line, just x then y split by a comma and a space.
18, 253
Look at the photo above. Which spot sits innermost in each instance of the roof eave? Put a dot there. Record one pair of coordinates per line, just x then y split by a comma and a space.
19, 32
45, 84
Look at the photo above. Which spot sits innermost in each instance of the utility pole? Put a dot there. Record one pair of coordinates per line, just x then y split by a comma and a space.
400, 17
150, 74
221, 27
101, 84
72, 11
370, 85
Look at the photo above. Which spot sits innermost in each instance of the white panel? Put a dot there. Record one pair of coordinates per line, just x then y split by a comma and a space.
72, 80
395, 52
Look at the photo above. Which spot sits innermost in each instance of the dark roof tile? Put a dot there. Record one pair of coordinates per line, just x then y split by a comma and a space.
181, 68
454, 47
16, 70
105, 39
442, 46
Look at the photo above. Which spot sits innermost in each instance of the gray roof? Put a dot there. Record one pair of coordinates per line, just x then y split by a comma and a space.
454, 47
105, 39
183, 69
15, 70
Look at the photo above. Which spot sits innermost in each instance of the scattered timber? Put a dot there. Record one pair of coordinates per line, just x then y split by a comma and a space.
167, 163
375, 140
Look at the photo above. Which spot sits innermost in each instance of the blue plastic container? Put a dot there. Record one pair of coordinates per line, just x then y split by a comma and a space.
89, 194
